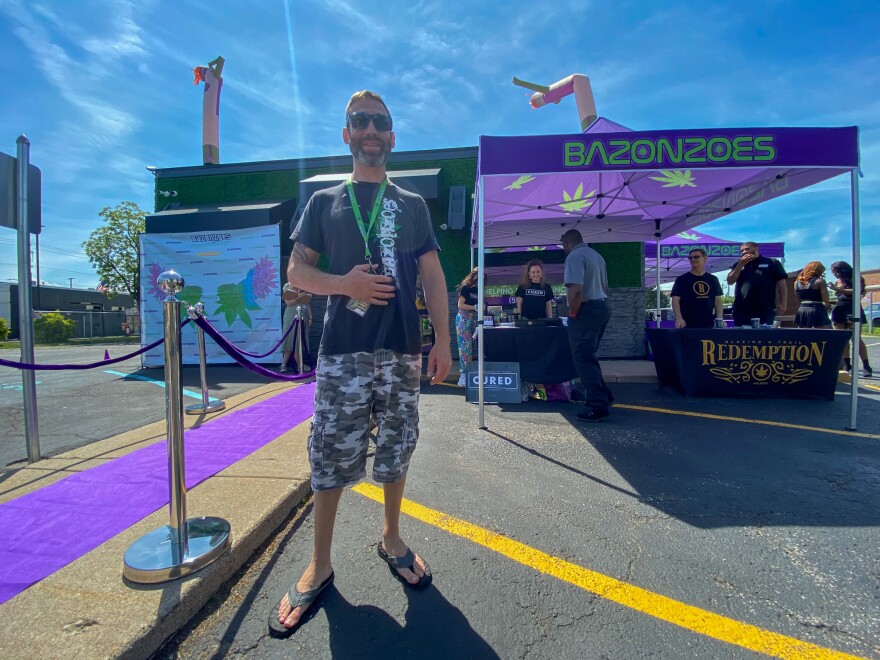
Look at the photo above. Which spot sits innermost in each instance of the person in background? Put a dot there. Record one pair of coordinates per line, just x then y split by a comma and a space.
812, 290
760, 287
844, 308
295, 301
534, 298
466, 322
697, 298
586, 287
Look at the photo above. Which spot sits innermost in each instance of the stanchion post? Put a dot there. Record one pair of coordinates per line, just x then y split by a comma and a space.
25, 308
207, 405
185, 545
174, 414
299, 338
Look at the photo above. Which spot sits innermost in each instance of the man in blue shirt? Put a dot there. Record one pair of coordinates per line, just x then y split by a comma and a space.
586, 288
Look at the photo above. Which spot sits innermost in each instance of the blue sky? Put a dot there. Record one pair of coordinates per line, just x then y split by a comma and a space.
103, 88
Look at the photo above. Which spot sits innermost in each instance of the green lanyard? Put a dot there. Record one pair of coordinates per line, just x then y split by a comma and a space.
365, 231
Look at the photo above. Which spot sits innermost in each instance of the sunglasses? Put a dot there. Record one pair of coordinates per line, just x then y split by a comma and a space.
360, 120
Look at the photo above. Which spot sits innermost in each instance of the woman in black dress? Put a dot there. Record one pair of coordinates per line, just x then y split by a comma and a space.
845, 307
812, 291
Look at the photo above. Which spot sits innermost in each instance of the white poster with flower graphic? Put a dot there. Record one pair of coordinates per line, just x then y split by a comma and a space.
234, 273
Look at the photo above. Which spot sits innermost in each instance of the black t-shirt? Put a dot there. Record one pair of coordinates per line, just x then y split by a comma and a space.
756, 287
402, 234
535, 297
696, 295
469, 293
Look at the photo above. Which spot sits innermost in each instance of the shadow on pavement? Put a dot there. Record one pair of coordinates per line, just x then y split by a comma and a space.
434, 629
719, 473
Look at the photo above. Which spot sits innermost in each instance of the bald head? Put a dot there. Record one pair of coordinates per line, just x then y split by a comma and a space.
571, 239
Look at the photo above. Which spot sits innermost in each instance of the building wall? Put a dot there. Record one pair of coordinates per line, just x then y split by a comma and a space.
74, 301
280, 180
250, 182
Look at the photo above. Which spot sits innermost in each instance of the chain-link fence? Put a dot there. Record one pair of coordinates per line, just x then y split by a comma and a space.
94, 324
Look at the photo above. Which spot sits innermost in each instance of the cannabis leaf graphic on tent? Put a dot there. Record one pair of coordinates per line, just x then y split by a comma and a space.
577, 201
675, 179
688, 237
520, 182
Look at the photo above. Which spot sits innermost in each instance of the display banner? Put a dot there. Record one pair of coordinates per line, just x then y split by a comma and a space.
660, 150
731, 362
234, 272
500, 383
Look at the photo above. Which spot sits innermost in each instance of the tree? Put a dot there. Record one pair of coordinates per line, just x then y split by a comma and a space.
113, 249
651, 298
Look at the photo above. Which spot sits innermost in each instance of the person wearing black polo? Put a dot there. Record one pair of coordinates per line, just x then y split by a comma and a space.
534, 297
760, 287
697, 299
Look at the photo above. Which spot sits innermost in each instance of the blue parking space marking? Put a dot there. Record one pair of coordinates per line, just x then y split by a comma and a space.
160, 383
13, 386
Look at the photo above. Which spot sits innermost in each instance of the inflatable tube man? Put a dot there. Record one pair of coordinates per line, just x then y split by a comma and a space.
210, 75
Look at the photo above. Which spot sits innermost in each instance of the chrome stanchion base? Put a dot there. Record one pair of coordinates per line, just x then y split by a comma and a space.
200, 409
152, 559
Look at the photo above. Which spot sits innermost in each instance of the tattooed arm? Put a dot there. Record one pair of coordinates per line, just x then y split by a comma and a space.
358, 283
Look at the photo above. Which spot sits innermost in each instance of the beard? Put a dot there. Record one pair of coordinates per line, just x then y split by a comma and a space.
370, 159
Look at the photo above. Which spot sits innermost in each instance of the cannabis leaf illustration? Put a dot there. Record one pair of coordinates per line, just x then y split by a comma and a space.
520, 182
688, 237
154, 290
577, 201
236, 299
675, 178
234, 303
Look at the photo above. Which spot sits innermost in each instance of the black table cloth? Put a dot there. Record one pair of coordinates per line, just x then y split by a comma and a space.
543, 353
732, 362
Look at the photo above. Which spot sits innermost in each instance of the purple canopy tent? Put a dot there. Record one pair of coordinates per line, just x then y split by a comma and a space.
674, 250
645, 185
723, 254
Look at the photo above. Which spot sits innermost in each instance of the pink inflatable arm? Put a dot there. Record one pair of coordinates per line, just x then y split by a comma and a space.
576, 84
210, 75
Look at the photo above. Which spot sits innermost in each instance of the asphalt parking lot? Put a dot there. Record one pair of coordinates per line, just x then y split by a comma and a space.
698, 528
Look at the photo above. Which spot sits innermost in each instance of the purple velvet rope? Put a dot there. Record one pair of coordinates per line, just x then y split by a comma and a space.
275, 347
91, 365
234, 353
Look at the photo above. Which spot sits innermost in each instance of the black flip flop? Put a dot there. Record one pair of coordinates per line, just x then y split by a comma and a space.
407, 561
296, 599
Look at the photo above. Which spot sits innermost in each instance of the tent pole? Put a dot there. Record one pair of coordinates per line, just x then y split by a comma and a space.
657, 281
857, 296
481, 293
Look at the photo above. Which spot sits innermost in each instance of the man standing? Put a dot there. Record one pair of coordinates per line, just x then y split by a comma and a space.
697, 299
377, 238
586, 288
760, 287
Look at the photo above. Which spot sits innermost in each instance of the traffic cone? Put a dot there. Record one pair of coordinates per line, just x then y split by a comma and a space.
106, 354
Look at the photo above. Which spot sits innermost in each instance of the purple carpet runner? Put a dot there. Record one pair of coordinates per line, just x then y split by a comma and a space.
42, 531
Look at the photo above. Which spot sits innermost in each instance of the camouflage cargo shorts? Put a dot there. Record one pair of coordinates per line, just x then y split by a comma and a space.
349, 387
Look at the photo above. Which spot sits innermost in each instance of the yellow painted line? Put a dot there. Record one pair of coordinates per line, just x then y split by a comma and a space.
673, 611
725, 418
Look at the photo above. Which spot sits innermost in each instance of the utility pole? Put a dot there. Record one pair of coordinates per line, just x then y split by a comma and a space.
71, 282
